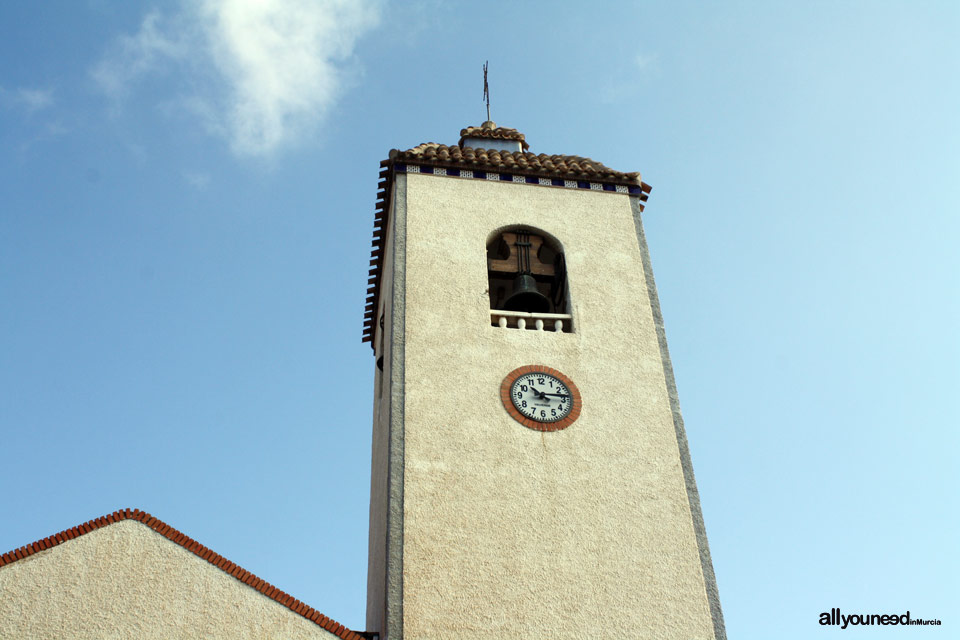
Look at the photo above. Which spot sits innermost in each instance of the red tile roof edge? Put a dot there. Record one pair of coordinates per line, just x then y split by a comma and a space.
517, 162
194, 547
496, 133
378, 250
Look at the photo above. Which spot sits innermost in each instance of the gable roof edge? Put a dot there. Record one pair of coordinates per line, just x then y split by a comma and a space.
191, 545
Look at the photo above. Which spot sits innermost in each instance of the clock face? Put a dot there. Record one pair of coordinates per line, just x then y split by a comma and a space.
540, 398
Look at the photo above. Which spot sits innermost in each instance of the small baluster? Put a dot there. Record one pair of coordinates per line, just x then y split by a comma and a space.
539, 324
502, 322
521, 323
558, 326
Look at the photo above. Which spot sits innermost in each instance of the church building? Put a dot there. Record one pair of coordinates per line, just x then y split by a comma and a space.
530, 471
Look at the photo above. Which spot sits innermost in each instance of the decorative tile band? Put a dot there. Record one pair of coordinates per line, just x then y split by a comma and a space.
509, 177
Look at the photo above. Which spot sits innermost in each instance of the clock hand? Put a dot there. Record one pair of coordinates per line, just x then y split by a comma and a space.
559, 395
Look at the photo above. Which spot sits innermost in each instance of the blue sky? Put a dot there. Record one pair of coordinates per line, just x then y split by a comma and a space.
186, 202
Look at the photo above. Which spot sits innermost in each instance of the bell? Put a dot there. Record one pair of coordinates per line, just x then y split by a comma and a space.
526, 297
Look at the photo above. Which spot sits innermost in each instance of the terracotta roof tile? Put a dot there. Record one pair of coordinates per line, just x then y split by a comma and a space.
190, 545
516, 162
491, 130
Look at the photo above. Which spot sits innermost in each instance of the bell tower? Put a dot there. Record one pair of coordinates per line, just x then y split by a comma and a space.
530, 474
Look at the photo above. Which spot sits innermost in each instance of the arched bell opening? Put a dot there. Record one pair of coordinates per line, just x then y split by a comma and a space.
527, 273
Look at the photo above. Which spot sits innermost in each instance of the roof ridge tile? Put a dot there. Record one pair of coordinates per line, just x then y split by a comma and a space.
491, 131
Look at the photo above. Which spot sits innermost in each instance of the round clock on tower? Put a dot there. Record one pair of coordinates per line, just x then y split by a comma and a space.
530, 473
541, 398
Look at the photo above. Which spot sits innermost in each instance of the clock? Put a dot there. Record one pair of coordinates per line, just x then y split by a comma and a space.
540, 398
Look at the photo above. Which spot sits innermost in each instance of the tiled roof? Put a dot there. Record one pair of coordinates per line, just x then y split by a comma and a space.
507, 163
193, 546
515, 162
491, 130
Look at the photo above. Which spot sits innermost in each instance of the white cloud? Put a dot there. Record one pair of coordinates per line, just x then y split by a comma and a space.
197, 180
35, 99
646, 61
270, 69
29, 100
623, 83
134, 56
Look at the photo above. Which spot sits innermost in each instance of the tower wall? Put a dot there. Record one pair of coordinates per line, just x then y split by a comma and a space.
495, 530
385, 557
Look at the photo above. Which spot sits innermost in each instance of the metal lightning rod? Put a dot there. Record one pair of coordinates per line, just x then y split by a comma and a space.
486, 89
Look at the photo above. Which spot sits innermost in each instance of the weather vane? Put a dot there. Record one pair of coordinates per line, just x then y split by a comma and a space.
486, 89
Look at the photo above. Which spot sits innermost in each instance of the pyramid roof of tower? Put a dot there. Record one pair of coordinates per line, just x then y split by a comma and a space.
176, 537
516, 162
522, 163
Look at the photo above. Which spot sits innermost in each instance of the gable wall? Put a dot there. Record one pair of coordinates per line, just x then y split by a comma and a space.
127, 581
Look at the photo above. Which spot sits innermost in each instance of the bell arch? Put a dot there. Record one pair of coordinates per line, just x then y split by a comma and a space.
526, 273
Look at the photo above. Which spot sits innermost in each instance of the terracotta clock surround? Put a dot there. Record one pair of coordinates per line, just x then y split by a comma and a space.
563, 423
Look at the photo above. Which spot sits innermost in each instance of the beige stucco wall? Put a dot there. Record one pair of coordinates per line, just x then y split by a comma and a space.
126, 581
510, 532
